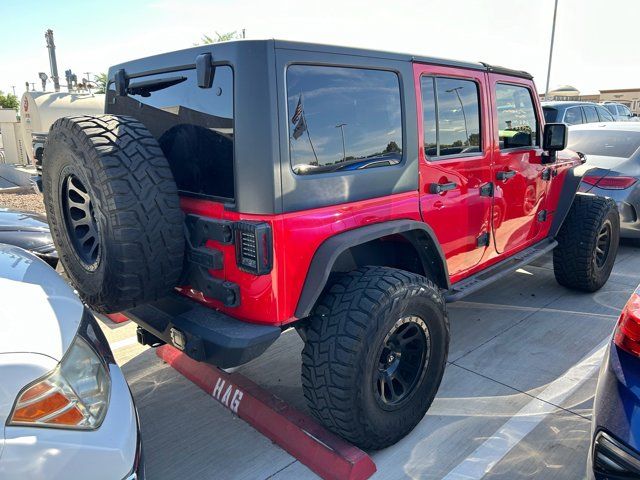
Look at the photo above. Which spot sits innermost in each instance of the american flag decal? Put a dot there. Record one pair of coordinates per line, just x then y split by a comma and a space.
298, 113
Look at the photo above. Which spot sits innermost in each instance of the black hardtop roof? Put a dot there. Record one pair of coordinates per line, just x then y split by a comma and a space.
180, 55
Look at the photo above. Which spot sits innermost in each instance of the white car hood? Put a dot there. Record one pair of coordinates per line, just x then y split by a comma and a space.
39, 312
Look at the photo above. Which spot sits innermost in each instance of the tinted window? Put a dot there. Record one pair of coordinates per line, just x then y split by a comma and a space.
550, 114
343, 118
609, 143
624, 111
517, 124
611, 108
452, 123
604, 114
590, 113
573, 116
194, 126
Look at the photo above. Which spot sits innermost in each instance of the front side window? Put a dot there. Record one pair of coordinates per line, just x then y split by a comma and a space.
611, 107
343, 119
590, 114
451, 116
517, 124
604, 114
573, 116
625, 111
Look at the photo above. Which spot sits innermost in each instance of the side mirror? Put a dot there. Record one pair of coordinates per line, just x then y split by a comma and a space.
554, 137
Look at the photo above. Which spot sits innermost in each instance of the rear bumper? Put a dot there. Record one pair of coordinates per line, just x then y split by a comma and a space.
204, 334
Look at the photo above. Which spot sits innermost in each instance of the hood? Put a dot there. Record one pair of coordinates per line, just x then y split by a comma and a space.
39, 312
27, 230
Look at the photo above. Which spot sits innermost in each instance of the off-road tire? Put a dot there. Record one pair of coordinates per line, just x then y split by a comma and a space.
574, 259
134, 206
342, 339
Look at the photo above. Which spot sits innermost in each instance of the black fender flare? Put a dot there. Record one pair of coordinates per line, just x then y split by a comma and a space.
569, 191
328, 252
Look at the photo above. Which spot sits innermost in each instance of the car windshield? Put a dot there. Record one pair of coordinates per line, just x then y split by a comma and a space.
607, 143
550, 114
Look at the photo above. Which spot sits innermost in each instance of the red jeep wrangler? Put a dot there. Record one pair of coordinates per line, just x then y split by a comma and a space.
239, 189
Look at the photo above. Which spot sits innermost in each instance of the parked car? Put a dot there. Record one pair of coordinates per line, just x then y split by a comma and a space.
216, 205
615, 430
575, 113
614, 149
620, 112
65, 408
28, 230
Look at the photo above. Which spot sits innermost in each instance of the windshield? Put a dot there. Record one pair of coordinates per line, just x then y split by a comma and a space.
550, 114
606, 143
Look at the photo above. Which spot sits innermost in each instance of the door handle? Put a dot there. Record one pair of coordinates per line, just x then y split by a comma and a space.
506, 175
442, 187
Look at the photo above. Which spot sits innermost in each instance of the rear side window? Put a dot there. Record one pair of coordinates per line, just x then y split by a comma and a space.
573, 116
343, 119
517, 124
611, 107
604, 114
193, 125
451, 116
590, 114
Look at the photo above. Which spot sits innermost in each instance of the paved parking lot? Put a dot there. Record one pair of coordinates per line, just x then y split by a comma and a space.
515, 400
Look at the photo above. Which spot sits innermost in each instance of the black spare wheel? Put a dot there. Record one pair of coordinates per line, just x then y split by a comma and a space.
375, 351
113, 209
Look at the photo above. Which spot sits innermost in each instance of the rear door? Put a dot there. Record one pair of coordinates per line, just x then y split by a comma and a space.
454, 159
520, 190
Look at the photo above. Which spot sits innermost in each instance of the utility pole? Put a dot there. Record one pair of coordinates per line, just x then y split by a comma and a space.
344, 151
553, 34
464, 115
52, 60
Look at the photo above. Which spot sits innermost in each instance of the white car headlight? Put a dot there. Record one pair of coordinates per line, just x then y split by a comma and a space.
75, 395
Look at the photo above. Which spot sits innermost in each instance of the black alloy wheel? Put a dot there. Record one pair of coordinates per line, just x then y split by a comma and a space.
402, 361
80, 221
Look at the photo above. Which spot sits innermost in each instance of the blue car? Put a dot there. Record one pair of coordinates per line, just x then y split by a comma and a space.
615, 448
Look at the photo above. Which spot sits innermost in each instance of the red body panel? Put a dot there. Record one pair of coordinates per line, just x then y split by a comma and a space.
273, 298
457, 217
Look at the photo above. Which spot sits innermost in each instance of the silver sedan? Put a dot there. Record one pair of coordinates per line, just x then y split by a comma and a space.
614, 150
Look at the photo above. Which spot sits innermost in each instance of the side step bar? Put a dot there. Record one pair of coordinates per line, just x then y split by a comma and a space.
499, 270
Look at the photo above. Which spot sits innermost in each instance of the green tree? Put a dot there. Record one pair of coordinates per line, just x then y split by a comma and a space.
101, 82
8, 101
225, 37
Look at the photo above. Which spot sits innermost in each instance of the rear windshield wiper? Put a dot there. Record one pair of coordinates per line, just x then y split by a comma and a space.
145, 87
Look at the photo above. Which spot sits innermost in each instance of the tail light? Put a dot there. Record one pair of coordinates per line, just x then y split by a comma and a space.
627, 334
253, 247
610, 183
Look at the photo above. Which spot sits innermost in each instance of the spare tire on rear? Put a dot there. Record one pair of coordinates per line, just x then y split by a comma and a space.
114, 212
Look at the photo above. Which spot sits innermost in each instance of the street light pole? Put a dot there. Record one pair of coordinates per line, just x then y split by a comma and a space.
344, 151
464, 115
553, 34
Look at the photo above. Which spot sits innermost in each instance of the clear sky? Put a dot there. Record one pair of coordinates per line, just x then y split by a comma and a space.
597, 41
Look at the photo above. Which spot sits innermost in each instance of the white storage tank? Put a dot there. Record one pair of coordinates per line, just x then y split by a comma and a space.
39, 110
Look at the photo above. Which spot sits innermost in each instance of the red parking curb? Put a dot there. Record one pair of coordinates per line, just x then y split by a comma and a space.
323, 452
117, 317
